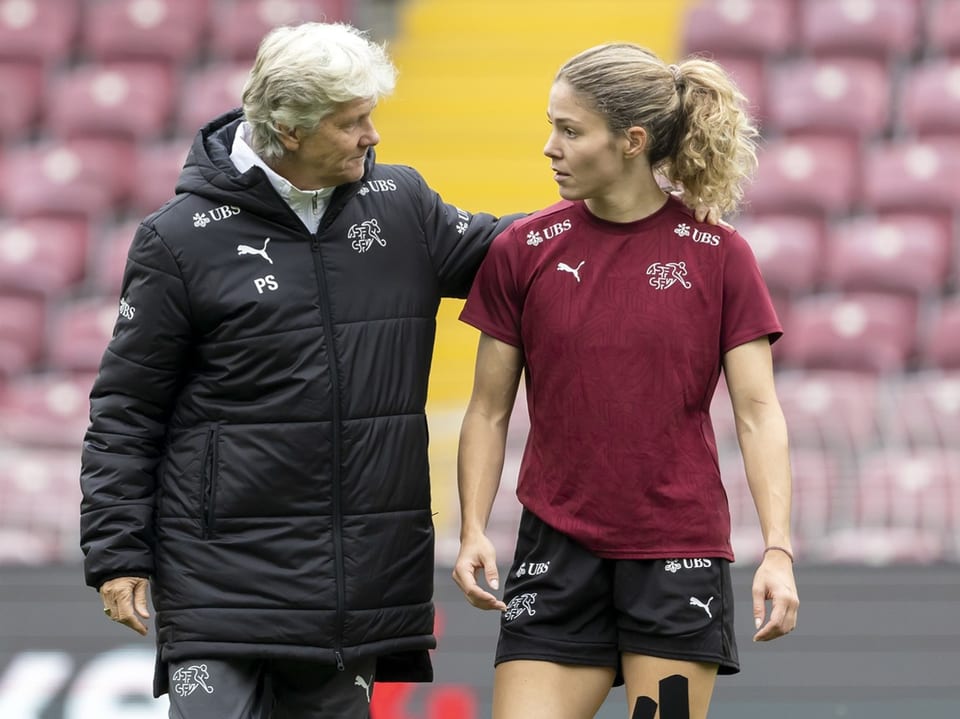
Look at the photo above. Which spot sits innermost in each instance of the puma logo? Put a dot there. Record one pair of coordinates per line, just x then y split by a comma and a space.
364, 684
694, 602
564, 267
248, 250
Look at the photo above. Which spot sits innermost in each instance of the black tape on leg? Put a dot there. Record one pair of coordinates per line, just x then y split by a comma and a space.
674, 697
645, 708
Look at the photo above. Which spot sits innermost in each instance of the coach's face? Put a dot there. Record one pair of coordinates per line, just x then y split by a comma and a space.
333, 153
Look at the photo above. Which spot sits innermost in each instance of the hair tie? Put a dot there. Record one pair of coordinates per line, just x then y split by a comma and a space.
675, 71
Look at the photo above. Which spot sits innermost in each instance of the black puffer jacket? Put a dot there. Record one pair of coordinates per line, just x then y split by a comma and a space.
258, 441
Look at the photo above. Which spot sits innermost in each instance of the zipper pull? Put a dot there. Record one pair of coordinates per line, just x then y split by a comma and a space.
339, 656
315, 203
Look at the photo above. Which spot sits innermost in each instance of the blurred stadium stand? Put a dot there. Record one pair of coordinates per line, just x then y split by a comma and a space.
853, 216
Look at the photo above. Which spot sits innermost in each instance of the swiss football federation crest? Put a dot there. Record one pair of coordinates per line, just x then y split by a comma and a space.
186, 680
665, 274
364, 234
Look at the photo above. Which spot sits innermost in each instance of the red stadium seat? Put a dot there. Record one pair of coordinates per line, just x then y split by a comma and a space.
156, 170
884, 28
749, 27
39, 489
919, 489
879, 546
942, 349
943, 27
45, 255
867, 332
80, 332
168, 30
925, 409
836, 409
87, 177
22, 329
133, 99
50, 410
898, 253
789, 249
830, 94
39, 30
21, 91
750, 76
815, 484
907, 175
931, 98
208, 92
111, 257
805, 174
237, 26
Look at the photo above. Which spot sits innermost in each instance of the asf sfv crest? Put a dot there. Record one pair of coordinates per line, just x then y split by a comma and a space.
364, 234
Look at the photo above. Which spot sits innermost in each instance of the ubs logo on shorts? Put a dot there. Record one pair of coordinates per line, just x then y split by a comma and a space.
675, 565
533, 569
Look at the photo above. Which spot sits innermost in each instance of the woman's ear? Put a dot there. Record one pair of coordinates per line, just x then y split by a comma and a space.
636, 141
289, 136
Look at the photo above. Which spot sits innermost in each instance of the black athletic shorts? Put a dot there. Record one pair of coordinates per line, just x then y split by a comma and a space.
566, 605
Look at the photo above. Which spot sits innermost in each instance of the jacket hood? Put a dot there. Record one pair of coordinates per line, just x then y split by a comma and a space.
209, 172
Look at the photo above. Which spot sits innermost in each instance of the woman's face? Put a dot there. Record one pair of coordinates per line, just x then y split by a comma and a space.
587, 159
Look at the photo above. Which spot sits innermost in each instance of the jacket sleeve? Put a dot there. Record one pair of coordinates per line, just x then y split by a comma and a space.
457, 240
130, 404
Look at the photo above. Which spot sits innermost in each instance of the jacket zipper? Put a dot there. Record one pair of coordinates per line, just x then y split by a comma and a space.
335, 461
209, 486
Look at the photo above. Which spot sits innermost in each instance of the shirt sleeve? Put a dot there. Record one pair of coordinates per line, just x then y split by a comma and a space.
495, 300
748, 311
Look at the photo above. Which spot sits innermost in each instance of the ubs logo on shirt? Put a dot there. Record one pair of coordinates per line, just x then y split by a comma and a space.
536, 237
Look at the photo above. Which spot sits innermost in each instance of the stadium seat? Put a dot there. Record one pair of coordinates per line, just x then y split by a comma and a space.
883, 28
21, 92
80, 332
86, 177
39, 30
46, 410
942, 348
896, 253
789, 249
867, 332
157, 167
911, 175
237, 26
22, 330
110, 260
46, 255
931, 99
830, 94
831, 409
880, 546
167, 30
925, 408
740, 27
815, 480
750, 76
817, 175
39, 490
207, 92
133, 99
914, 488
943, 27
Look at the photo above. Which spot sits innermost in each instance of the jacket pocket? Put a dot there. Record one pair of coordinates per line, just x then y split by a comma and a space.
208, 482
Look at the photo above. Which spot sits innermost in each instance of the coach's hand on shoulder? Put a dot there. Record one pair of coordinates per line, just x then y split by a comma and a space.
125, 602
477, 554
701, 212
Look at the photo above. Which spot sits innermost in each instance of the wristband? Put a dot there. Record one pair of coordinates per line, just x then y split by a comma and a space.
781, 549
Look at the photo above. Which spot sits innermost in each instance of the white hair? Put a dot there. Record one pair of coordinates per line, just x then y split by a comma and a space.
302, 72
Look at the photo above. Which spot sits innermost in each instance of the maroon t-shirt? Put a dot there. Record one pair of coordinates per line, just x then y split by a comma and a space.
623, 327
